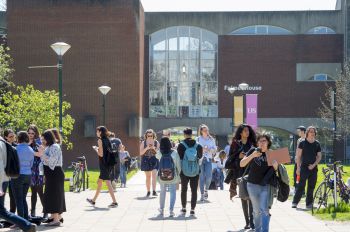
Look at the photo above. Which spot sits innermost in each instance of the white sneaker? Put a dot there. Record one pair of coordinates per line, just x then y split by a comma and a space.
172, 214
205, 195
161, 212
202, 198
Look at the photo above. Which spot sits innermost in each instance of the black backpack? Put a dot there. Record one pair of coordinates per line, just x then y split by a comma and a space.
112, 155
12, 164
283, 190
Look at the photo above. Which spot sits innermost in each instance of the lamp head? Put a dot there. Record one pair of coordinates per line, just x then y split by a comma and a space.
60, 48
243, 86
104, 89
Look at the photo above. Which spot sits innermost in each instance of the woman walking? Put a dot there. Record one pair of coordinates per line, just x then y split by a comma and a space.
242, 142
168, 174
260, 176
209, 151
21, 184
149, 162
37, 182
103, 150
54, 199
124, 157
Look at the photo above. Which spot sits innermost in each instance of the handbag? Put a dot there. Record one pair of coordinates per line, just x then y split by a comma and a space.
242, 185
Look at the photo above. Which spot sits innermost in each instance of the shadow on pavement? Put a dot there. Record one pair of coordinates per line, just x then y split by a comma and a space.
177, 218
97, 209
144, 198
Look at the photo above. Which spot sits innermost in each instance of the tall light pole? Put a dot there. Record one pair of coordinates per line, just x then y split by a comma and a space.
104, 89
60, 48
334, 108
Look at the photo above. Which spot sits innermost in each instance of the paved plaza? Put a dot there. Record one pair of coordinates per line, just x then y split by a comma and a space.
136, 213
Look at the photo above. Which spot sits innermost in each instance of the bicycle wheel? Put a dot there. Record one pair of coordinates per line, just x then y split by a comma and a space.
320, 198
77, 181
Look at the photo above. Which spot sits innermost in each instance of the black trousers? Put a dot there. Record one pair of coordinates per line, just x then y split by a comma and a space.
248, 212
184, 186
13, 206
311, 177
36, 190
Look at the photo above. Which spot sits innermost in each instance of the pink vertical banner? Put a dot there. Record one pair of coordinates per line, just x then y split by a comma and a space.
252, 110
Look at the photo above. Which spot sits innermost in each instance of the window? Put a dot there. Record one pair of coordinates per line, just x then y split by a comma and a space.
261, 30
321, 30
321, 77
183, 73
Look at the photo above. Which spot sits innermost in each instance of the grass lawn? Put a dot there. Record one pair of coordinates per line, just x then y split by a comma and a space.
342, 213
93, 177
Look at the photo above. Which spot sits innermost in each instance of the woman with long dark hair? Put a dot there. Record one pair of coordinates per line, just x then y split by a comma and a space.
102, 151
149, 162
54, 199
37, 182
242, 142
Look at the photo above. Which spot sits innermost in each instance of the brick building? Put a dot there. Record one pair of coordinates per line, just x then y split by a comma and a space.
170, 69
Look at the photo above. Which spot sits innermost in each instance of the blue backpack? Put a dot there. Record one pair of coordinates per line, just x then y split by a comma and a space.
189, 164
166, 168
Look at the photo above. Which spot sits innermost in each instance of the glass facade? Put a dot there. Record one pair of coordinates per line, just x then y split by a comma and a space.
321, 77
321, 30
261, 30
183, 73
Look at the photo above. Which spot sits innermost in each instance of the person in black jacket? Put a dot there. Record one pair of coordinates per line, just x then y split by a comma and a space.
190, 142
242, 142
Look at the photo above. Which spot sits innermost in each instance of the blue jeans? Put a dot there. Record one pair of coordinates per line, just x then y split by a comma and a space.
11, 217
221, 179
20, 188
172, 190
205, 175
259, 197
123, 171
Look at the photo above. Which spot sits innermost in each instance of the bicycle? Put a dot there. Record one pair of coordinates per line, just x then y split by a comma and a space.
80, 174
325, 193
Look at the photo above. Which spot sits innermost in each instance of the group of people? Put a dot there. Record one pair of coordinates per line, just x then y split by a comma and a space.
40, 169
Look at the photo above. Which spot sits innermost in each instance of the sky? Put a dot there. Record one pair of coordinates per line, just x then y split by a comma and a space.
237, 5
234, 5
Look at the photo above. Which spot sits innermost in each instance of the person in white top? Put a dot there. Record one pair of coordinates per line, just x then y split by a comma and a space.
209, 150
220, 160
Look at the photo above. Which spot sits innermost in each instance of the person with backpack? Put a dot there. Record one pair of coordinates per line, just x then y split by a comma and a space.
20, 185
260, 177
209, 150
105, 157
149, 163
243, 140
37, 181
190, 153
115, 173
7, 150
168, 174
10, 137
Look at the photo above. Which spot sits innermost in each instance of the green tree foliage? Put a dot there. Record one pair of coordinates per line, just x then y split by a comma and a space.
5, 71
27, 105
342, 86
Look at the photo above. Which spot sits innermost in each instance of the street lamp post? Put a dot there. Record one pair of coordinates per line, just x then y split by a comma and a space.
104, 90
60, 48
334, 108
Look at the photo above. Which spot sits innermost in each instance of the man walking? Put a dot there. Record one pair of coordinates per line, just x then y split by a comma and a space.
301, 133
115, 173
190, 153
308, 157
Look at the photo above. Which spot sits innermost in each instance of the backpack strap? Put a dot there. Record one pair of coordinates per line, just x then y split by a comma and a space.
185, 145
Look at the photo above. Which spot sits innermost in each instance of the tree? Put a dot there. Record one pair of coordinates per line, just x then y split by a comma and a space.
5, 70
27, 105
342, 87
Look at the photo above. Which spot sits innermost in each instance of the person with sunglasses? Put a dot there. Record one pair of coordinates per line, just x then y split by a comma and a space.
37, 183
149, 163
259, 181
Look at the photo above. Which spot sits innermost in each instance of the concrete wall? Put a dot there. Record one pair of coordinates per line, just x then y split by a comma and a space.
223, 23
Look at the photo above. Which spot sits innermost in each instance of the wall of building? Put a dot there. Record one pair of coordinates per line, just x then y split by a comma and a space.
107, 48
